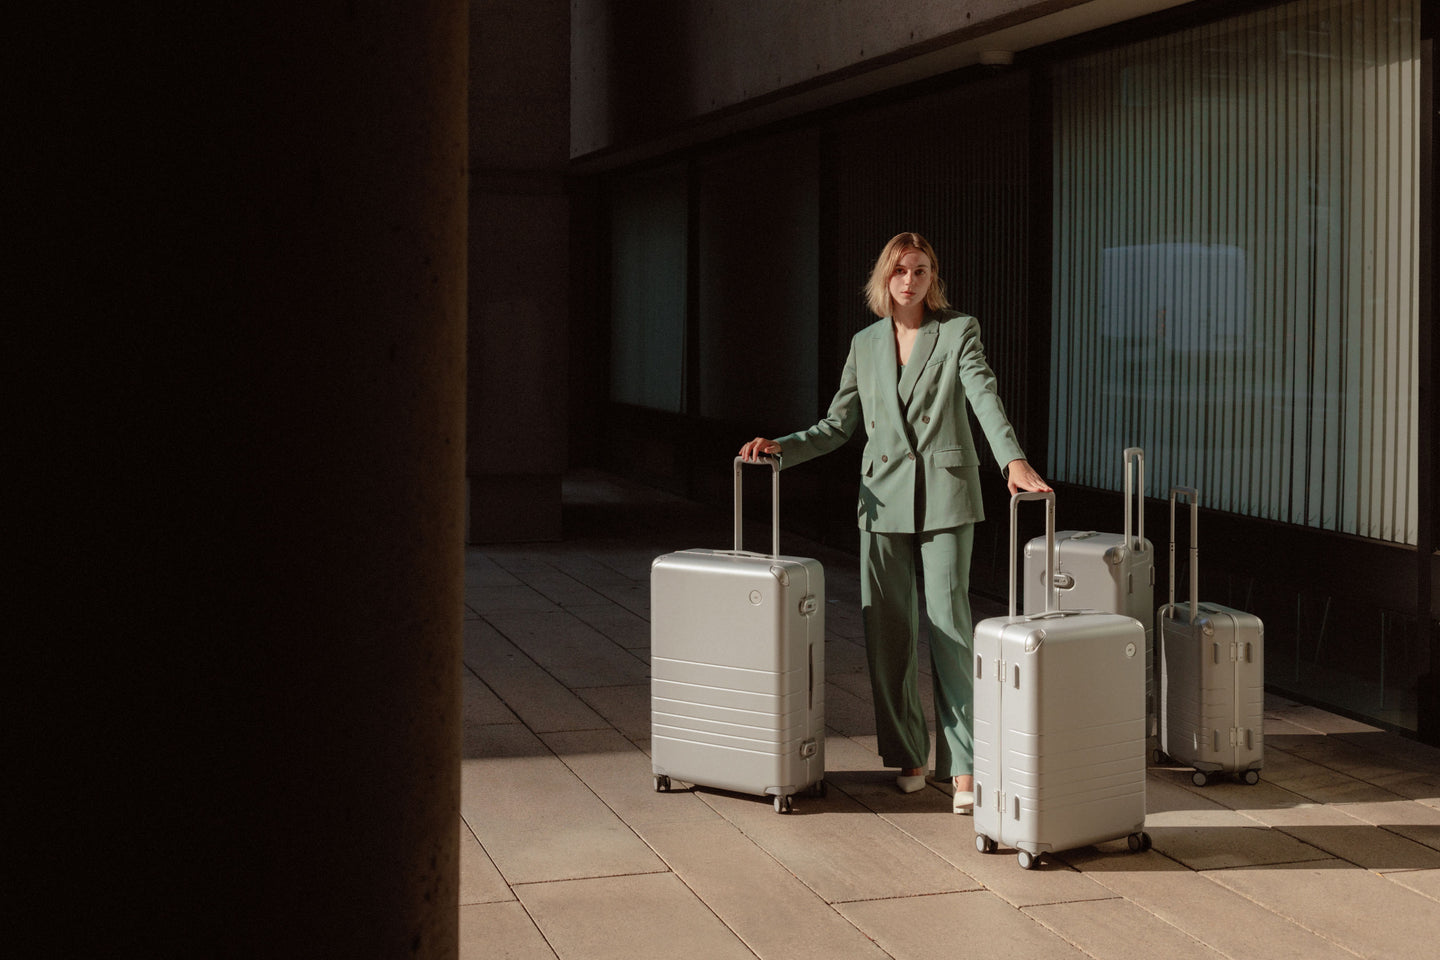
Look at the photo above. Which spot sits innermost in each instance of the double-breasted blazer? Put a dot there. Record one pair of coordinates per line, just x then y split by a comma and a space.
919, 452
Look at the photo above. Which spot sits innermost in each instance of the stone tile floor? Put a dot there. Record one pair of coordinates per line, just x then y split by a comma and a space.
568, 852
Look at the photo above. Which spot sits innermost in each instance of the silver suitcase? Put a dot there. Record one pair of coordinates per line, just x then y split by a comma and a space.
1212, 676
1059, 719
1105, 572
737, 665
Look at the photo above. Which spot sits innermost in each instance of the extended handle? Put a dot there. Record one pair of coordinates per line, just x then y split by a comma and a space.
1135, 497
774, 501
1049, 498
1176, 492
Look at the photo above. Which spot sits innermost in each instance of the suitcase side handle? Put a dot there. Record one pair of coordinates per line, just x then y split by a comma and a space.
774, 501
1049, 498
1135, 497
1194, 497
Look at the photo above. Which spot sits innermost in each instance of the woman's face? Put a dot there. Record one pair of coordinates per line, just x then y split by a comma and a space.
911, 279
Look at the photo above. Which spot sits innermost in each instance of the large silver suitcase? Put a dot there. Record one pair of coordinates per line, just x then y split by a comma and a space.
1105, 572
737, 661
1212, 676
1059, 720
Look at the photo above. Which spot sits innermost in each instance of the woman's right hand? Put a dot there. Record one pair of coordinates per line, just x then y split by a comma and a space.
757, 448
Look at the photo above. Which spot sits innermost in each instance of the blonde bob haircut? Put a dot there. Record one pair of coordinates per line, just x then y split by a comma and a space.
877, 291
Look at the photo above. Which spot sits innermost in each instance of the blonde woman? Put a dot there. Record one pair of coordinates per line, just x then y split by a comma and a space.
906, 382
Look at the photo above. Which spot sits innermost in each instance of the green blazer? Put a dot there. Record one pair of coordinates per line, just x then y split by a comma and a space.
918, 438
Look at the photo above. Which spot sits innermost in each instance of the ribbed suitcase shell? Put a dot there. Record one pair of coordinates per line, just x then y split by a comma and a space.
1059, 727
1212, 678
1104, 572
737, 654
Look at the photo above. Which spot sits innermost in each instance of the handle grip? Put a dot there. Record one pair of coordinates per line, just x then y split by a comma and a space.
1194, 497
1135, 497
774, 501
1049, 498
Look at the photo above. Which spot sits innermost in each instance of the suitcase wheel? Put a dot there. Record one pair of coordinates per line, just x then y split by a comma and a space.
782, 804
1252, 777
662, 783
984, 844
819, 789
1139, 842
1200, 778
1157, 756
1028, 860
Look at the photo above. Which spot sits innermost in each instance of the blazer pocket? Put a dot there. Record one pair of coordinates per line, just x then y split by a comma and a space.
955, 457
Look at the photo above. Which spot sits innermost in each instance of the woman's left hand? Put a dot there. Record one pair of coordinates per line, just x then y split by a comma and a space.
1019, 475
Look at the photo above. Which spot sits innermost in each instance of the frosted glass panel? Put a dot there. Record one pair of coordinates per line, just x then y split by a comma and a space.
1235, 265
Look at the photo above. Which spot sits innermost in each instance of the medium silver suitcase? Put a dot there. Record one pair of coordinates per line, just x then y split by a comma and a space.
1105, 572
1059, 724
737, 666
1212, 676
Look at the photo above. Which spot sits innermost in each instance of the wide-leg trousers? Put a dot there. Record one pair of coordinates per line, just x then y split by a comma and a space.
889, 598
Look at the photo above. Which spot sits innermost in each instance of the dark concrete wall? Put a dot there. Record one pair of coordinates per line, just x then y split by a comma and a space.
519, 268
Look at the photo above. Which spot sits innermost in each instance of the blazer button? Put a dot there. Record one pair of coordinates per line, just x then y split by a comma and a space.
910, 455
925, 419
884, 458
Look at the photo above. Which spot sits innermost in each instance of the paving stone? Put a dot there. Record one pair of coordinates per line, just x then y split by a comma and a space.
1359, 910
626, 708
537, 820
480, 705
1117, 929
766, 906
1194, 903
1332, 828
840, 849
538, 699
622, 918
1315, 782
1315, 719
560, 588
950, 925
846, 713
494, 599
1423, 882
1414, 821
494, 930
619, 773
1201, 833
480, 882
569, 649
618, 624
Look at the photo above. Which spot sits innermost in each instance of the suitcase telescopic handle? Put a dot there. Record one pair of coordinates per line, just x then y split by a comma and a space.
1194, 497
1135, 497
774, 501
1049, 498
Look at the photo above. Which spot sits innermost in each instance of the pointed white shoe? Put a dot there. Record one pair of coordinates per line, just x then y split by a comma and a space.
964, 802
910, 784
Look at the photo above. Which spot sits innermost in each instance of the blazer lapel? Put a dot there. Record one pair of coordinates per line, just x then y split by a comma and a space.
886, 374
925, 339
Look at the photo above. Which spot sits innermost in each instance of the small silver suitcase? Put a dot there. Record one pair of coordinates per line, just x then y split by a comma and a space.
1106, 572
1059, 724
737, 665
1212, 677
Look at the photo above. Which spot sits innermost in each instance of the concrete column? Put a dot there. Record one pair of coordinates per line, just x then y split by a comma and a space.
243, 319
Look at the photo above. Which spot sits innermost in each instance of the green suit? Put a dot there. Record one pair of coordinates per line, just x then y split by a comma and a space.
919, 493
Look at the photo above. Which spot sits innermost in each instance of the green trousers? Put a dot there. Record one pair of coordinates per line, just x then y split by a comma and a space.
889, 600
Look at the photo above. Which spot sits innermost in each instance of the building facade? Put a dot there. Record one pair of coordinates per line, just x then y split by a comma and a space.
1202, 229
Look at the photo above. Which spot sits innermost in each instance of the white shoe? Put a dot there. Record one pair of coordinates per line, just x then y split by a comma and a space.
964, 802
910, 784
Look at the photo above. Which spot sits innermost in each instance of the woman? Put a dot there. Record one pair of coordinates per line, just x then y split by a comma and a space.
906, 382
